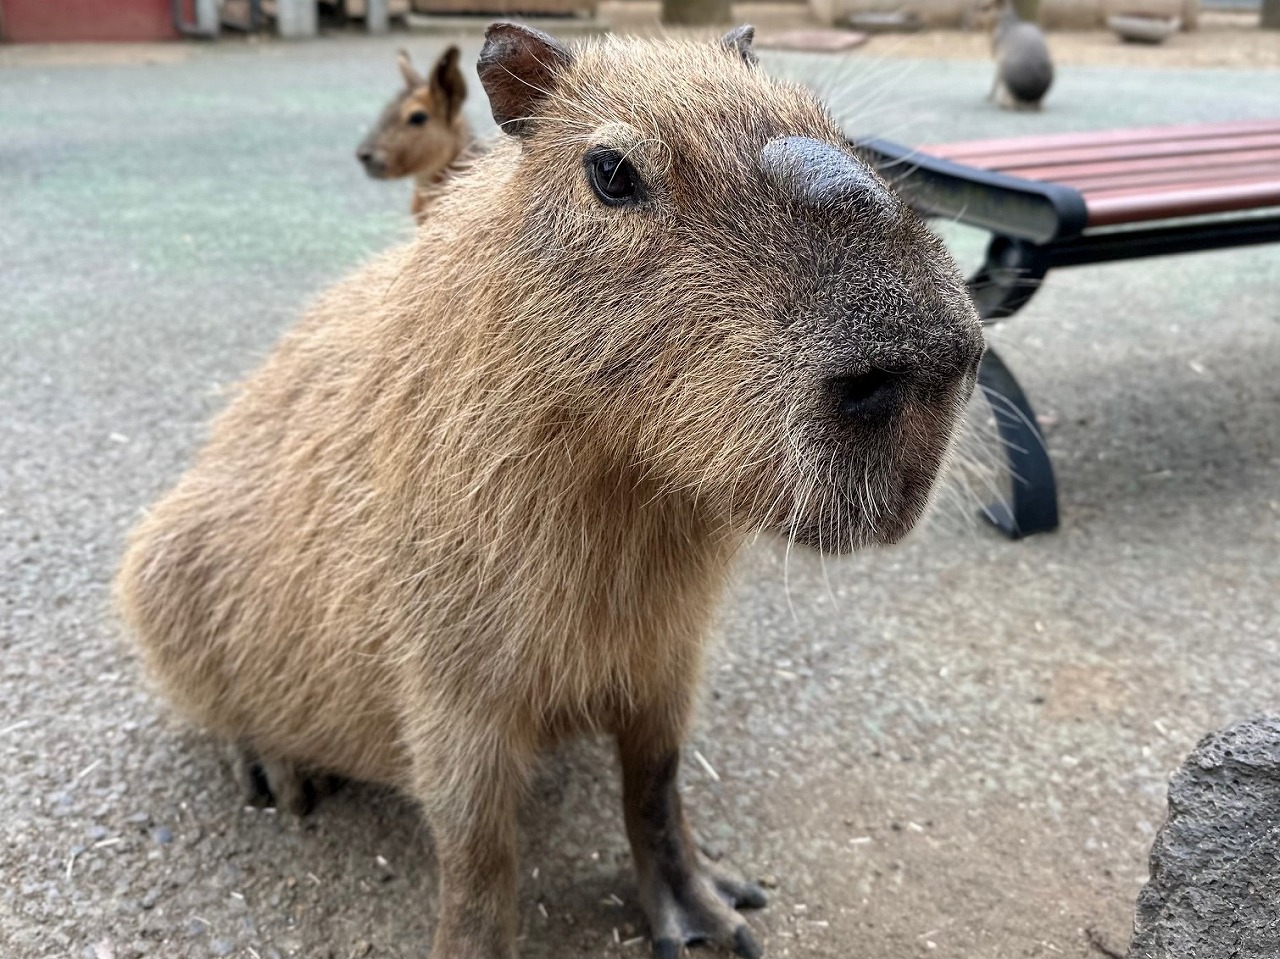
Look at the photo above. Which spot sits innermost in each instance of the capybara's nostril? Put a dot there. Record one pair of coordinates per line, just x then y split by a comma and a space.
874, 394
364, 154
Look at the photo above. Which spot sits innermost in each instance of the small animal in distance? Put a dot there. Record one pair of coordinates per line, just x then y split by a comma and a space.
1024, 68
421, 133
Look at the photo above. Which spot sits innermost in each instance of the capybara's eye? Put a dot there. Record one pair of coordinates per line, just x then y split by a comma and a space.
417, 118
612, 177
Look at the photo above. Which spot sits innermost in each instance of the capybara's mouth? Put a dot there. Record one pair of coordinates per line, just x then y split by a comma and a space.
838, 535
875, 506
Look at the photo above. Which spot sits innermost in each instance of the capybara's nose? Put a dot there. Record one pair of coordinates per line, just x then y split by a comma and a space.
872, 396
364, 154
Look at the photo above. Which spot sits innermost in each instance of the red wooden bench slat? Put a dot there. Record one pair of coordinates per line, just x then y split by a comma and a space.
1015, 163
1176, 178
1205, 166
967, 151
1151, 173
1111, 207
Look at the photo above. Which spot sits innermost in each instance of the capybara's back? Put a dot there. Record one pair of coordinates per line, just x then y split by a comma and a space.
487, 492
241, 584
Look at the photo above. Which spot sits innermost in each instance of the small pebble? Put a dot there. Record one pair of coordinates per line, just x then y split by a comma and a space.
162, 835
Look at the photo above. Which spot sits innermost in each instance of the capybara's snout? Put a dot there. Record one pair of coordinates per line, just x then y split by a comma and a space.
881, 341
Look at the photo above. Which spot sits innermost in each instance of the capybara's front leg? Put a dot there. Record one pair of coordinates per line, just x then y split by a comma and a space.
686, 899
469, 799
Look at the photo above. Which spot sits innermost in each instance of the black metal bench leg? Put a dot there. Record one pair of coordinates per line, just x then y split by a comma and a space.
1009, 277
1033, 502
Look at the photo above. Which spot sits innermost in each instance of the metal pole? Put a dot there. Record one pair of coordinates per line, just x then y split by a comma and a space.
296, 19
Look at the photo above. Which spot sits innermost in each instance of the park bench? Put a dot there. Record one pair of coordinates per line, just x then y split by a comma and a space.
1074, 199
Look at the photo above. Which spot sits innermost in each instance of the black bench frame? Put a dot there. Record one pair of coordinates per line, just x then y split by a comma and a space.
1036, 227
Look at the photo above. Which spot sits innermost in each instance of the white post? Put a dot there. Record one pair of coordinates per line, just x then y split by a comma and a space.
376, 18
296, 19
207, 17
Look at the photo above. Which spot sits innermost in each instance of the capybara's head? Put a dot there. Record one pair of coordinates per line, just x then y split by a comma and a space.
416, 134
720, 290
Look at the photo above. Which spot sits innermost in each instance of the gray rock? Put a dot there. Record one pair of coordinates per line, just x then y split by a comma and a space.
1215, 865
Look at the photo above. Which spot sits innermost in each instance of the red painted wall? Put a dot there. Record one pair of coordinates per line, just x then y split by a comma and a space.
53, 21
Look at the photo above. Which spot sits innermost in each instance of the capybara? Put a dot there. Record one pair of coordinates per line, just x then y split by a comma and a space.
1024, 69
421, 132
486, 494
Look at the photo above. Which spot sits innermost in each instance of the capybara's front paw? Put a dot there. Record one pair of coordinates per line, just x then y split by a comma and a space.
699, 905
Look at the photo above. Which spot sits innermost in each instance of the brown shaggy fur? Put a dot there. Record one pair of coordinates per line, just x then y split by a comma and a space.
421, 133
487, 493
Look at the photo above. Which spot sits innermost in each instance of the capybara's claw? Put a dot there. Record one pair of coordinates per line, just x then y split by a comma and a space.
742, 944
249, 775
745, 945
703, 910
667, 948
277, 782
740, 894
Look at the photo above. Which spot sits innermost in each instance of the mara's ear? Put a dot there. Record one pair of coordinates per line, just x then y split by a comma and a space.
447, 82
518, 67
738, 41
412, 78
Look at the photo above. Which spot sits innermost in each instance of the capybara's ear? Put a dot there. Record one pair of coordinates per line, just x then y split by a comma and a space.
518, 67
412, 78
447, 82
738, 41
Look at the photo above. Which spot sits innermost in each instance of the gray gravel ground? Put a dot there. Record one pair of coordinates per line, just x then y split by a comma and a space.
955, 748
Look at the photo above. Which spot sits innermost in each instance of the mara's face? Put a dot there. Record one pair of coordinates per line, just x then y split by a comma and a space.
416, 133
753, 314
